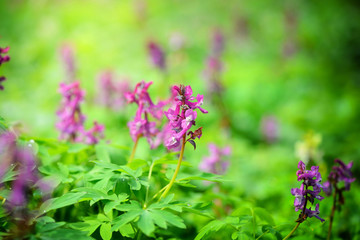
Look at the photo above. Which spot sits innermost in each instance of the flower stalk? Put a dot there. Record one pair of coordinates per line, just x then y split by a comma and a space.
176, 170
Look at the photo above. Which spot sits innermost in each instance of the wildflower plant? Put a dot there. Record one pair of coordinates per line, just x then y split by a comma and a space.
304, 195
141, 126
182, 116
71, 119
216, 163
3, 59
339, 181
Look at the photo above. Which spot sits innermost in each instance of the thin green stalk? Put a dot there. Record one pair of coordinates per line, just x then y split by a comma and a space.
134, 149
176, 170
297, 225
148, 187
332, 214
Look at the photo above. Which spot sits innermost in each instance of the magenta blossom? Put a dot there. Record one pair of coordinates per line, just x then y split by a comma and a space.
216, 162
3, 59
71, 119
182, 116
157, 55
111, 93
218, 43
269, 128
93, 135
67, 55
141, 125
339, 174
309, 178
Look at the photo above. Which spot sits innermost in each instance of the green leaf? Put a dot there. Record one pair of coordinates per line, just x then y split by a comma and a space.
124, 219
88, 226
9, 175
146, 223
170, 218
50, 226
109, 206
64, 234
264, 215
77, 147
127, 231
105, 231
202, 176
212, 226
63, 201
134, 205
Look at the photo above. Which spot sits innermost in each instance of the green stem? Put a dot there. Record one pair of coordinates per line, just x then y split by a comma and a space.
176, 170
332, 214
134, 149
297, 225
147, 188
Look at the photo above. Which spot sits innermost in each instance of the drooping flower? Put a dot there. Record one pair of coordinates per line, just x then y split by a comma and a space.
71, 119
111, 93
182, 116
216, 162
67, 55
141, 125
309, 178
157, 55
269, 128
218, 43
22, 159
340, 173
93, 135
3, 59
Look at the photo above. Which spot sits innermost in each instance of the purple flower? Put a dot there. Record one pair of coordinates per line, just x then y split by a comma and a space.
309, 178
216, 162
269, 128
141, 126
71, 119
212, 75
67, 55
341, 173
157, 55
314, 213
22, 158
182, 116
218, 43
3, 59
111, 93
93, 135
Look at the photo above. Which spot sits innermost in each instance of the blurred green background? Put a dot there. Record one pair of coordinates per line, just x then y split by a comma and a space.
298, 61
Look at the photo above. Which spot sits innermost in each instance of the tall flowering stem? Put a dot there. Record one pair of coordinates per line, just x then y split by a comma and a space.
303, 195
182, 117
216, 163
3, 59
340, 173
141, 126
71, 119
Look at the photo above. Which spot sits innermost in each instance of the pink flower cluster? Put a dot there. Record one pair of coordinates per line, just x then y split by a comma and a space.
111, 93
22, 158
214, 65
3, 59
141, 125
71, 119
216, 163
182, 116
157, 55
67, 55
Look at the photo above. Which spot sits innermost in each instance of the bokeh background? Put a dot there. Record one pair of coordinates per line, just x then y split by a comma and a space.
296, 63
